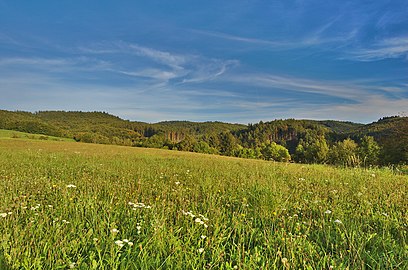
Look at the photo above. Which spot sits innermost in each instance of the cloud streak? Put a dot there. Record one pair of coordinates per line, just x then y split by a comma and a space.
388, 48
289, 83
165, 66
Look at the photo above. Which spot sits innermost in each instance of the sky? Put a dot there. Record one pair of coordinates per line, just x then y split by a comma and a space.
232, 61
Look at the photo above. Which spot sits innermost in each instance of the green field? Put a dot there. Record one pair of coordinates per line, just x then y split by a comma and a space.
12, 134
72, 205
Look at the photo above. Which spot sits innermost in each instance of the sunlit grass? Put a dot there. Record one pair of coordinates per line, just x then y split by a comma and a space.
12, 134
72, 205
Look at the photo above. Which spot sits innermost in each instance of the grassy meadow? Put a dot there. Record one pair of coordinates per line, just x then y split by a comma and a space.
82, 206
12, 134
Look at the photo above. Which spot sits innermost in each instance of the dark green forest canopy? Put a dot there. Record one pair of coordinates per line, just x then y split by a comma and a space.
307, 141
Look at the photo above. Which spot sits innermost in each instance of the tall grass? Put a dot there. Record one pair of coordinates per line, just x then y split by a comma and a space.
83, 206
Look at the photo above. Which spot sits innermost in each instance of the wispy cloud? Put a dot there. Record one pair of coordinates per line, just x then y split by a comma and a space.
315, 37
164, 65
388, 48
54, 65
152, 73
173, 60
156, 102
208, 70
367, 110
340, 89
241, 38
119, 47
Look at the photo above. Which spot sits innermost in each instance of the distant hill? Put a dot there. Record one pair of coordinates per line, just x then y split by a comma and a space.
210, 137
103, 127
340, 126
392, 134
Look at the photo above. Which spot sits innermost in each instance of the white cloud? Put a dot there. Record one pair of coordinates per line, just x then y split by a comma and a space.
387, 48
172, 60
163, 65
152, 73
208, 69
313, 38
339, 89
157, 102
39, 62
367, 110
241, 38
53, 65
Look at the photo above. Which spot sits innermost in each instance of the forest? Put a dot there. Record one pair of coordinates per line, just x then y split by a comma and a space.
382, 143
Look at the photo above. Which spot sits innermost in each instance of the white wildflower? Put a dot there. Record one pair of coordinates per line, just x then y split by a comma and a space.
72, 265
338, 221
130, 243
3, 214
198, 220
201, 250
119, 243
203, 217
177, 183
71, 186
139, 205
203, 236
188, 213
125, 240
327, 212
114, 231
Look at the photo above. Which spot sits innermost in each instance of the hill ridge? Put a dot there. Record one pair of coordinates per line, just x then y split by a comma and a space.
210, 136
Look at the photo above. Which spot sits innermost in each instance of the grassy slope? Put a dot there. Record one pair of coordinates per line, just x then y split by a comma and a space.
12, 134
260, 214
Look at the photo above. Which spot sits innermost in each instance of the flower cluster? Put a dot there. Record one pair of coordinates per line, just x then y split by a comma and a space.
123, 242
138, 227
5, 214
198, 219
33, 208
139, 205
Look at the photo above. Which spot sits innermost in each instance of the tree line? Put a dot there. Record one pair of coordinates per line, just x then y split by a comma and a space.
305, 141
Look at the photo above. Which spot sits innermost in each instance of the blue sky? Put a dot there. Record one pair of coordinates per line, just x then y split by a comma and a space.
234, 61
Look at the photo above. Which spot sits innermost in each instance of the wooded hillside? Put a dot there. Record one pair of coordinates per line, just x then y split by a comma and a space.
307, 141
